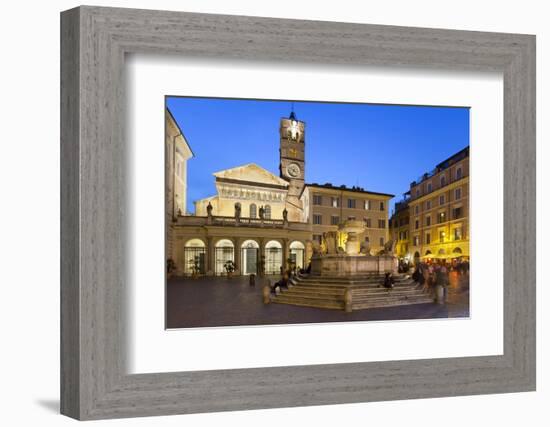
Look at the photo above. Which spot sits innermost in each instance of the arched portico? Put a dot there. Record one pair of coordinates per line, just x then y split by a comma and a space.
194, 256
297, 253
223, 253
273, 257
250, 256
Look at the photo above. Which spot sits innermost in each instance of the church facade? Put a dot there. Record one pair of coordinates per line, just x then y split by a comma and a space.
259, 221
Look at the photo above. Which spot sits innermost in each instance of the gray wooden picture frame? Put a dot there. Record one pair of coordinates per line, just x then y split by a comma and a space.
94, 41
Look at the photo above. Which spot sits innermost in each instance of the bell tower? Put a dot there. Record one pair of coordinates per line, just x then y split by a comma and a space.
292, 162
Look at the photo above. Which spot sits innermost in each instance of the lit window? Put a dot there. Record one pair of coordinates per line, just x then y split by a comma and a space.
367, 205
335, 202
441, 236
458, 233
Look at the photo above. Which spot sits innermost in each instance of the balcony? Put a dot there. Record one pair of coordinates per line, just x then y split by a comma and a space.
231, 221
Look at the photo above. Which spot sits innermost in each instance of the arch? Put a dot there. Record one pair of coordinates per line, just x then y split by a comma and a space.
194, 256
249, 258
224, 243
297, 252
267, 212
428, 252
253, 210
195, 243
224, 252
273, 244
250, 244
273, 257
296, 244
457, 251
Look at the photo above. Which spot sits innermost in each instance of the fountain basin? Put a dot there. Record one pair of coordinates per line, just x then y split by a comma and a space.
352, 265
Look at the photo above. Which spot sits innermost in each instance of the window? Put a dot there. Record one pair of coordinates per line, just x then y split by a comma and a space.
367, 222
443, 181
267, 212
441, 217
428, 238
442, 199
252, 210
416, 209
317, 199
367, 205
382, 206
417, 192
458, 233
459, 173
428, 205
351, 218
367, 239
381, 241
441, 236
351, 203
317, 219
335, 202
334, 220
458, 193
381, 223
457, 212
429, 187
416, 241
428, 221
416, 225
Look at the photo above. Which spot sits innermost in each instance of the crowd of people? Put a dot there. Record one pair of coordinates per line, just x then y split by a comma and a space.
429, 275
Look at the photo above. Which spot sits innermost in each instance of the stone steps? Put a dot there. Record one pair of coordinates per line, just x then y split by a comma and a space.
329, 293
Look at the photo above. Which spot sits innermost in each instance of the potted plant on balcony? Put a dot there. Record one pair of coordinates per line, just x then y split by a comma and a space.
229, 266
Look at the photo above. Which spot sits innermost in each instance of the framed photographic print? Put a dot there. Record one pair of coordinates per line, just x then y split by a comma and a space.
347, 211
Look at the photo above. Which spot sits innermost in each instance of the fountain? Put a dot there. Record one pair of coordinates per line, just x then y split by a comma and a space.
353, 261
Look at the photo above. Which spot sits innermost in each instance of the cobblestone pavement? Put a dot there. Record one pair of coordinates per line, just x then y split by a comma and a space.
218, 301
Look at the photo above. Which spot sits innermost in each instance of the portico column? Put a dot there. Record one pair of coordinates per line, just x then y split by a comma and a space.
286, 254
210, 256
261, 256
237, 252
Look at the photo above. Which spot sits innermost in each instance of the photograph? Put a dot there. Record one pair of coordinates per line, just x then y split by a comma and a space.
291, 212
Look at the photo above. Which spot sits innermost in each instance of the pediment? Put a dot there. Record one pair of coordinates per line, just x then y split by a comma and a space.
250, 173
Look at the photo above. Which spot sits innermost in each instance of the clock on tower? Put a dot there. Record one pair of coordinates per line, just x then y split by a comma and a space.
292, 159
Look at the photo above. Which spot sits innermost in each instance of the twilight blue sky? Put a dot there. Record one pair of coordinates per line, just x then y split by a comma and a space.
379, 147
